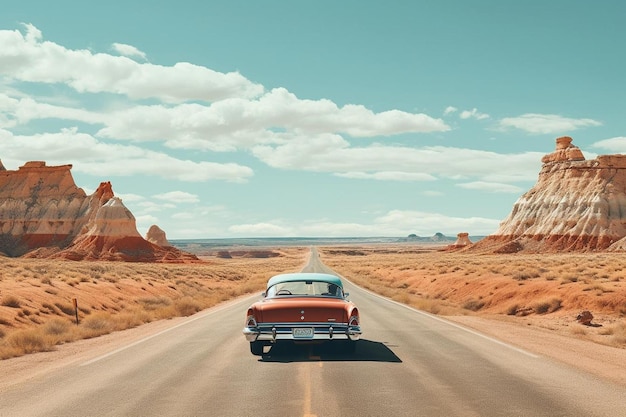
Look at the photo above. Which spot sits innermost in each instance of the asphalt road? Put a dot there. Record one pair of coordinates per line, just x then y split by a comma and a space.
408, 364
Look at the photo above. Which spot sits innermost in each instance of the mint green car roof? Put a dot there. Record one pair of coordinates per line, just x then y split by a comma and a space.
305, 276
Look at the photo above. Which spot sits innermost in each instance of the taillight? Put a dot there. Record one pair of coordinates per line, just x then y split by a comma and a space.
250, 321
354, 321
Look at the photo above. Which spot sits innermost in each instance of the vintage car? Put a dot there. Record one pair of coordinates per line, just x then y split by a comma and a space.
303, 307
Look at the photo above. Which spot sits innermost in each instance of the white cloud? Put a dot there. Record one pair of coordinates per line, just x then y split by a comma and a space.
546, 123
128, 50
178, 197
615, 145
90, 156
491, 187
450, 110
130, 197
389, 176
144, 222
28, 58
394, 223
474, 114
239, 117
21, 111
330, 153
425, 223
239, 123
204, 211
262, 230
145, 206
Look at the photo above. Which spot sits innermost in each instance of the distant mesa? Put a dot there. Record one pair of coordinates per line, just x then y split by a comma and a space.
437, 238
576, 205
43, 214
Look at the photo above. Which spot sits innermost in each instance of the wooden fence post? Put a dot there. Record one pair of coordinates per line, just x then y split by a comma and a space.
75, 301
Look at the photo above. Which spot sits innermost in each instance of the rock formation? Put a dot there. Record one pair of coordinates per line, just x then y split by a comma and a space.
157, 236
462, 239
44, 214
576, 205
565, 151
585, 317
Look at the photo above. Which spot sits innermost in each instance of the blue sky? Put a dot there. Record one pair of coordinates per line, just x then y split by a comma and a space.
217, 119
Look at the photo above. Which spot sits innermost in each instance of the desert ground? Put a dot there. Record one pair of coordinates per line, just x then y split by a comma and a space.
531, 301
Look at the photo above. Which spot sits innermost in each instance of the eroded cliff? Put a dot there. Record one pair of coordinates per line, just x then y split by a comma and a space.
576, 205
44, 214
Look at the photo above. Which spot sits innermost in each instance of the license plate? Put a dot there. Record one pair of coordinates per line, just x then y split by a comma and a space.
302, 333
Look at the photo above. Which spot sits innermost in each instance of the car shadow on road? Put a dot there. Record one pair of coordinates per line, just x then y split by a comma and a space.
366, 351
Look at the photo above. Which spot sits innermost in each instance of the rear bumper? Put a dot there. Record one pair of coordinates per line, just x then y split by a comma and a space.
284, 331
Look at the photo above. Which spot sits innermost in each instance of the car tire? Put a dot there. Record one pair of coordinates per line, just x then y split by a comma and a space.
256, 348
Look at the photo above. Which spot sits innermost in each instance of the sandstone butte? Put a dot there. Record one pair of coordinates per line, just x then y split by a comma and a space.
43, 214
576, 205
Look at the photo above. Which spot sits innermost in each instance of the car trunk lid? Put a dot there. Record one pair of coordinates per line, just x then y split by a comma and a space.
303, 310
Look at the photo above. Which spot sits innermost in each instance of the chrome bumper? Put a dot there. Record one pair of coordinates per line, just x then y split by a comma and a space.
284, 331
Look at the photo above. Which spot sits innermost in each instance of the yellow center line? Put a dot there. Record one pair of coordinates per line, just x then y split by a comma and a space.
307, 391
308, 383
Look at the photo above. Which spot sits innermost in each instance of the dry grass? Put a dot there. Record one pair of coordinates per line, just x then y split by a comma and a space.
545, 289
37, 311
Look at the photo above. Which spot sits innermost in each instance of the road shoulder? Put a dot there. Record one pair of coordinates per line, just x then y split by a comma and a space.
602, 361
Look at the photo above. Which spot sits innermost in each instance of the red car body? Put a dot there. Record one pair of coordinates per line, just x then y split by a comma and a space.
302, 308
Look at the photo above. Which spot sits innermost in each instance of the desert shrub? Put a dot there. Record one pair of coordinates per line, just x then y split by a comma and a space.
84, 310
521, 276
132, 319
473, 305
66, 308
549, 306
11, 301
187, 306
56, 326
619, 333
47, 308
30, 341
512, 310
431, 306
153, 303
402, 297
97, 325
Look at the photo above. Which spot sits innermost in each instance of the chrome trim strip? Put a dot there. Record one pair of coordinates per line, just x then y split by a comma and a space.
283, 331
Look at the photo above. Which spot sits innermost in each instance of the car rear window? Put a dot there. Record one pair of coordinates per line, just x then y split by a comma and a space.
305, 288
